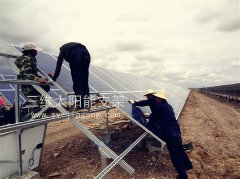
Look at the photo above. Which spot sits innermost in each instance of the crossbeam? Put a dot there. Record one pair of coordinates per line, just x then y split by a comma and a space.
8, 55
24, 82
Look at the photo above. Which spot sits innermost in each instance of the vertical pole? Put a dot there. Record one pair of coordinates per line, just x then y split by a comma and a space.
20, 170
17, 120
17, 108
104, 162
107, 121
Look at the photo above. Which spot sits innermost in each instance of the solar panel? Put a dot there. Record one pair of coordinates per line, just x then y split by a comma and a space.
127, 86
6, 86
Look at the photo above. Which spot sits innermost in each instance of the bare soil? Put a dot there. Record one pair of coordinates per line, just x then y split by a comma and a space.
212, 126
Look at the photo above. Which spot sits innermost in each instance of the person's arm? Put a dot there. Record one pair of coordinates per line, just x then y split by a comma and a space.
142, 103
58, 66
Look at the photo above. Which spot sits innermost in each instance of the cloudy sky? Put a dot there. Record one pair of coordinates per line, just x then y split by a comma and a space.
193, 43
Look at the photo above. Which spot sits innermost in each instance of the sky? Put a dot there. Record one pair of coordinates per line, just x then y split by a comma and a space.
192, 43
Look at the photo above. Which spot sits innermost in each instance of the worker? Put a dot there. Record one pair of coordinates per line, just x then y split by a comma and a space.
27, 65
169, 131
78, 58
162, 122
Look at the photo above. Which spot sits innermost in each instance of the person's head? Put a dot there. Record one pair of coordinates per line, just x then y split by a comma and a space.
149, 93
160, 96
31, 49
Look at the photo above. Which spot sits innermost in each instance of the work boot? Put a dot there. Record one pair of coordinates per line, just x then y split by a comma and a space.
187, 146
182, 175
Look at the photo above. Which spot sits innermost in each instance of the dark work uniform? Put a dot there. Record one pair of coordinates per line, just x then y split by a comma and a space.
167, 128
78, 58
151, 125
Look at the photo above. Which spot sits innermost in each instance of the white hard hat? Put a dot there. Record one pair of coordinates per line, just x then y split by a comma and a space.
31, 46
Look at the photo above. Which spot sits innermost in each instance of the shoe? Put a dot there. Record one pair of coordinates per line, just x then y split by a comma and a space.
187, 146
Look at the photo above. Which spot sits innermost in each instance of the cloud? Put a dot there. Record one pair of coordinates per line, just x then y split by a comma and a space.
131, 19
223, 16
229, 25
234, 63
134, 46
149, 57
182, 43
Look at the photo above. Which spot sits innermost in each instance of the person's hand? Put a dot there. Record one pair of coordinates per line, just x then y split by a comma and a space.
51, 75
146, 115
42, 80
131, 101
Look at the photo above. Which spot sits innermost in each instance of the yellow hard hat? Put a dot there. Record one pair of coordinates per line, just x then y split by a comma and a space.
161, 94
149, 91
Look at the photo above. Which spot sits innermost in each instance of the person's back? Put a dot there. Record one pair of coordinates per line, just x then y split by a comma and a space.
165, 119
28, 67
68, 48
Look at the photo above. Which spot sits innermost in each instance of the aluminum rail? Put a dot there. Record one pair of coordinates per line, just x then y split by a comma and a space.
8, 55
24, 82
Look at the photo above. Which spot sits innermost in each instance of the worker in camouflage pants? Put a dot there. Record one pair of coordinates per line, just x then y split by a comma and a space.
27, 65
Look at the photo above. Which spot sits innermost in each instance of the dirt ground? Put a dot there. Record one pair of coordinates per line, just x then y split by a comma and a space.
212, 126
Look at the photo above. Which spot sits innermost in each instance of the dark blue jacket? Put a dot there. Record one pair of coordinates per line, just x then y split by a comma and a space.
149, 102
66, 52
162, 118
165, 118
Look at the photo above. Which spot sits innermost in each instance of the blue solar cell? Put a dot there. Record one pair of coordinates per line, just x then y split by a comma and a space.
10, 95
3, 86
113, 83
98, 83
123, 80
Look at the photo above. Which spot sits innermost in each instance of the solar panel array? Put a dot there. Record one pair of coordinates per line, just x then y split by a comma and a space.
117, 87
